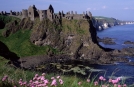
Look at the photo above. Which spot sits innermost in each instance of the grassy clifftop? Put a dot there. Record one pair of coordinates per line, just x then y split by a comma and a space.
106, 19
7, 19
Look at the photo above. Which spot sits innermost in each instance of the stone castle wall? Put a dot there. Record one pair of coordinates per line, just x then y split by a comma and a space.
32, 13
24, 13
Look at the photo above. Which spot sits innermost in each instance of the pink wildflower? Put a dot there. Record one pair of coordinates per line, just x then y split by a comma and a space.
119, 85
39, 78
46, 82
104, 86
34, 78
96, 83
20, 81
115, 81
88, 80
4, 78
54, 83
61, 81
42, 78
24, 83
79, 83
30, 81
104, 79
101, 78
43, 74
58, 77
110, 80
124, 85
36, 82
115, 85
118, 79
52, 78
36, 75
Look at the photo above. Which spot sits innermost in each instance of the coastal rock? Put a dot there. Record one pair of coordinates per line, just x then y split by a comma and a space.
33, 62
128, 51
102, 23
131, 63
129, 42
106, 40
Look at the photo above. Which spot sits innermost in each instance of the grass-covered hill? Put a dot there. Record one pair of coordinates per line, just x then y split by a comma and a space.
106, 19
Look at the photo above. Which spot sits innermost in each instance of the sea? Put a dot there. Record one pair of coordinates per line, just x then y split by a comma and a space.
125, 71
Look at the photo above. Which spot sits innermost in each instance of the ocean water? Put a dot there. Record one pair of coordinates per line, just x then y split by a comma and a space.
123, 70
119, 34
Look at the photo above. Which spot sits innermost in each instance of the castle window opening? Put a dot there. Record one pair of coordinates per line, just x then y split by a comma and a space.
30, 13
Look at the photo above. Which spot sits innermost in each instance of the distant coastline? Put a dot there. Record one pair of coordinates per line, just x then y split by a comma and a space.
102, 23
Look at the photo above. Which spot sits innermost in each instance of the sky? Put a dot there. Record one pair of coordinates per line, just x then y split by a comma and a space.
119, 9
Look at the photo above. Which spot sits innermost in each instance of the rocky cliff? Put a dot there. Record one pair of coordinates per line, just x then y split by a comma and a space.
101, 23
75, 39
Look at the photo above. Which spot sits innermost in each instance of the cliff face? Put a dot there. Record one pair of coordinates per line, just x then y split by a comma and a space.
73, 38
102, 23
76, 38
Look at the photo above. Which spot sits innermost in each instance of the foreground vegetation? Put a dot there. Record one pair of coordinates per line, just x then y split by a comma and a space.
11, 77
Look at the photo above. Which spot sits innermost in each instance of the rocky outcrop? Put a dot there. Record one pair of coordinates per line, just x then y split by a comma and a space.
102, 23
10, 28
106, 40
129, 42
74, 38
128, 51
16, 25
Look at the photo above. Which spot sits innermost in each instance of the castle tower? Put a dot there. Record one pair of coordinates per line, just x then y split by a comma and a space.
32, 12
50, 12
20, 13
2, 13
83, 13
72, 12
89, 14
11, 13
24, 13
5, 13
69, 12
62, 14
75, 12
17, 13
42, 14
51, 8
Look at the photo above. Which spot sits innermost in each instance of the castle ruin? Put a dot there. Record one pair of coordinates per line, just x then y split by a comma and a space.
32, 12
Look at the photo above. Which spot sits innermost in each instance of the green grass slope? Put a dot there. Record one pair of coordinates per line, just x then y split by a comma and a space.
19, 42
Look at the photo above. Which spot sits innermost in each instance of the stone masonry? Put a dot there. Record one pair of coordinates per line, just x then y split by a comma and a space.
32, 12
